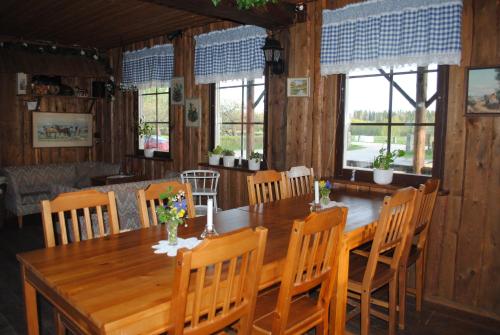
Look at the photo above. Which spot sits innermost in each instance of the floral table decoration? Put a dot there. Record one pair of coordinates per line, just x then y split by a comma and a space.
172, 212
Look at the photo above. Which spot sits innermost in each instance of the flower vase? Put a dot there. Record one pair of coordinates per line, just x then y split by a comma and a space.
172, 232
324, 200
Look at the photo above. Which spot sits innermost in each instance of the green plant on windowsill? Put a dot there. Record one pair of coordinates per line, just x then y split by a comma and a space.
382, 172
227, 152
254, 160
218, 150
256, 156
146, 130
384, 160
228, 158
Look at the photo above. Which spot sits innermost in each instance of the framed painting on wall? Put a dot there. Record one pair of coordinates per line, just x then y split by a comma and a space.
21, 83
298, 87
483, 91
177, 91
62, 130
193, 112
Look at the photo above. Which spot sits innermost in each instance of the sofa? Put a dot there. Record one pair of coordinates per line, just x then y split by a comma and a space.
125, 195
29, 184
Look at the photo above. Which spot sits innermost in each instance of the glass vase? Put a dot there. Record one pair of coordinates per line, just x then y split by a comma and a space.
325, 199
172, 232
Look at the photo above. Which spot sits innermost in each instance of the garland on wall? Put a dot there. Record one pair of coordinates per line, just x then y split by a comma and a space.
247, 4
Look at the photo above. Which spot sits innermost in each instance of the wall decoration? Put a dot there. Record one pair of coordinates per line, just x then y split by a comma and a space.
298, 87
22, 83
177, 91
193, 112
483, 91
62, 130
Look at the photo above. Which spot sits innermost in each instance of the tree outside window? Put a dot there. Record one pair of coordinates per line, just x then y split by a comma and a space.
154, 109
239, 116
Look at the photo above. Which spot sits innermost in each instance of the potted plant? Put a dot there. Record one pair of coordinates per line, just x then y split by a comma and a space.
228, 158
254, 161
215, 155
382, 172
145, 130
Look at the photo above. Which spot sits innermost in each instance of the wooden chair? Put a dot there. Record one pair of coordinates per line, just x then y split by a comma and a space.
367, 274
87, 204
216, 283
300, 180
312, 261
414, 253
149, 199
90, 204
266, 186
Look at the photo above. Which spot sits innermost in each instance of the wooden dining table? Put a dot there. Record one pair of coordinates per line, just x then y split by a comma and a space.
118, 285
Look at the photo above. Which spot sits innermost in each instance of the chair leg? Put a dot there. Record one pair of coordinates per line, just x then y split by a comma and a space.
20, 221
419, 281
60, 329
402, 297
365, 313
393, 285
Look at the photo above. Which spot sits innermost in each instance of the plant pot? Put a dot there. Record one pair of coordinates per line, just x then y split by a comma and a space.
254, 164
382, 177
149, 153
214, 159
228, 161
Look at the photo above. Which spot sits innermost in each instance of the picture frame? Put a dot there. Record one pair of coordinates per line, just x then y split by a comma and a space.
298, 87
62, 130
21, 83
177, 91
483, 91
193, 112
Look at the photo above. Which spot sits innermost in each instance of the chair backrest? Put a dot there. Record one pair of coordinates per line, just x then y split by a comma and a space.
201, 180
312, 260
392, 231
266, 186
88, 206
216, 283
300, 180
149, 199
422, 215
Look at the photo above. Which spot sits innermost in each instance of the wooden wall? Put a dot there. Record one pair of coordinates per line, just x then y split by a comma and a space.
16, 143
463, 263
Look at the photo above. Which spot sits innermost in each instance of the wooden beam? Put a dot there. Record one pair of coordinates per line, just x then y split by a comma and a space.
270, 16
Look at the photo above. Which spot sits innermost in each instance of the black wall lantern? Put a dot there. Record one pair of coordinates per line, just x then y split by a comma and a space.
273, 53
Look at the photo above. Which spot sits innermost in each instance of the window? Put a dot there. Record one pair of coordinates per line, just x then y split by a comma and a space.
239, 116
154, 109
394, 109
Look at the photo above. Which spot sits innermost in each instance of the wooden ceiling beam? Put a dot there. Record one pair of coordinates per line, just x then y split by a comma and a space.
270, 16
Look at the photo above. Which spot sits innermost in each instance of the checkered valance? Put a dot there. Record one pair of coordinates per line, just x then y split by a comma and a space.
229, 54
380, 33
148, 67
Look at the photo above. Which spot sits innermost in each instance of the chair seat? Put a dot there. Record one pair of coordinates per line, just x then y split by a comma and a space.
357, 268
302, 308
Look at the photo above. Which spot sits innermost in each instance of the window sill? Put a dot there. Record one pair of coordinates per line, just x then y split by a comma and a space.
165, 159
236, 168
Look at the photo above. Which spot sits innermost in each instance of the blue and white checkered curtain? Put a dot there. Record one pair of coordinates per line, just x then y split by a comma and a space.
148, 67
234, 53
380, 33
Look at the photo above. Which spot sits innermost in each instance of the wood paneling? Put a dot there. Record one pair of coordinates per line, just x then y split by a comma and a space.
16, 123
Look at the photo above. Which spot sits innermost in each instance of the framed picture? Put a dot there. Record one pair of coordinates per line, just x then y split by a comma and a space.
298, 87
483, 91
22, 83
177, 91
193, 112
62, 130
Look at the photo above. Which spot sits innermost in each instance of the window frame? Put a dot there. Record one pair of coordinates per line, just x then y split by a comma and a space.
157, 154
213, 125
403, 179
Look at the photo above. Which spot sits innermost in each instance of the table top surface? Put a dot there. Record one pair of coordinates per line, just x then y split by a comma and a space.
113, 279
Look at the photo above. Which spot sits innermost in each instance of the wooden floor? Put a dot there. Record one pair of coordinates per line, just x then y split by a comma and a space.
433, 320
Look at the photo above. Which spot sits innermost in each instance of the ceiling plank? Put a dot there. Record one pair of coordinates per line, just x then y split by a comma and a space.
269, 16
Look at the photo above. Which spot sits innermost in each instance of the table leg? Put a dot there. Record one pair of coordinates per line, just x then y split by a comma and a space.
338, 312
30, 305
